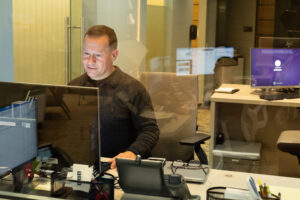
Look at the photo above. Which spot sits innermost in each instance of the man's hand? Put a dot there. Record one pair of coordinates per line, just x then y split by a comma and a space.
126, 154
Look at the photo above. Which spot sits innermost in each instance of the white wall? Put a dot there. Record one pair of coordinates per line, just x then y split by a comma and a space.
128, 19
89, 12
6, 42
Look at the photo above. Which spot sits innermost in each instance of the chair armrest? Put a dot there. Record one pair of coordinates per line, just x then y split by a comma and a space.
199, 138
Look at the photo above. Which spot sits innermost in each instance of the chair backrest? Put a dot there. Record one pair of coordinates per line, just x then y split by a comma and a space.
175, 103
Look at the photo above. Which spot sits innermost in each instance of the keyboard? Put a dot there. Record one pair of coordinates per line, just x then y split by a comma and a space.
105, 166
271, 96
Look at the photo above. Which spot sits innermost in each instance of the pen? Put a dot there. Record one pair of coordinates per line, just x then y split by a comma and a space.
265, 191
260, 187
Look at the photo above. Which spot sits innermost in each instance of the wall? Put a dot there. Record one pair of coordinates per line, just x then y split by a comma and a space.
40, 40
179, 17
128, 19
155, 37
6, 42
89, 11
76, 33
211, 23
265, 20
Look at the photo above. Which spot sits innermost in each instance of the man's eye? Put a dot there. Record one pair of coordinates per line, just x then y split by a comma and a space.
86, 54
98, 55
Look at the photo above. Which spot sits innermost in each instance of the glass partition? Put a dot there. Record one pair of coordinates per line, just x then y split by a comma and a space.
53, 121
181, 51
63, 116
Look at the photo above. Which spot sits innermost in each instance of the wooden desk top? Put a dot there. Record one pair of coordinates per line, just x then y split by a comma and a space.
247, 95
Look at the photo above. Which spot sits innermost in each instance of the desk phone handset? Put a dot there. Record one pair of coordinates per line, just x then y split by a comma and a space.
177, 187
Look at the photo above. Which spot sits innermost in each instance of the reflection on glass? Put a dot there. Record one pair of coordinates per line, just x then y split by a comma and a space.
175, 104
200, 60
63, 119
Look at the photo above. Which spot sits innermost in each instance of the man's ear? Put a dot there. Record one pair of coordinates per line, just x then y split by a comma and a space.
115, 54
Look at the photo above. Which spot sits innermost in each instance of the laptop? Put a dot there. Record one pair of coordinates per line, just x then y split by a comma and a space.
190, 174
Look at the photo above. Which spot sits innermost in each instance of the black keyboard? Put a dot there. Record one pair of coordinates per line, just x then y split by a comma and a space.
271, 96
105, 166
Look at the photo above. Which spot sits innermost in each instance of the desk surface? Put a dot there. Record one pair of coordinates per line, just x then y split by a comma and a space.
288, 187
247, 95
285, 185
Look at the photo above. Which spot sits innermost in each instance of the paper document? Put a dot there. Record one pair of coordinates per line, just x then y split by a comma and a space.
226, 90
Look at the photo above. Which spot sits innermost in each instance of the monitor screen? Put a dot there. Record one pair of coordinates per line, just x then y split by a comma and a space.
18, 134
64, 116
275, 68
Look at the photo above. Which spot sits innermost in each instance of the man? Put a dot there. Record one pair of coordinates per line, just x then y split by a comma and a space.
128, 125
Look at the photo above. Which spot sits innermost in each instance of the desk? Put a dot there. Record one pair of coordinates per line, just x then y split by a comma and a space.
287, 186
244, 116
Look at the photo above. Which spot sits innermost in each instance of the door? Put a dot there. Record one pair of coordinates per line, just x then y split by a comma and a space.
44, 41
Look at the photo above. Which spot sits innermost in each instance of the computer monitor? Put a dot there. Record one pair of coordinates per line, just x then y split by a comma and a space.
64, 117
18, 135
275, 68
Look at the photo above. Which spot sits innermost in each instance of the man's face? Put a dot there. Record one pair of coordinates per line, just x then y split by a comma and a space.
98, 57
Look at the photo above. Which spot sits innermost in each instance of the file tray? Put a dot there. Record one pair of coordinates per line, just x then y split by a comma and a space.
238, 149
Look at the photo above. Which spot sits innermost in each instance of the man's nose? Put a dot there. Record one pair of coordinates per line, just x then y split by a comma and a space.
92, 59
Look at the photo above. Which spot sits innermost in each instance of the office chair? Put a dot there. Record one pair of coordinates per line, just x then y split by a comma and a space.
175, 102
289, 141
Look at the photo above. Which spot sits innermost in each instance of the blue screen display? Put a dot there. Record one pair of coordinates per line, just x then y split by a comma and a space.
18, 135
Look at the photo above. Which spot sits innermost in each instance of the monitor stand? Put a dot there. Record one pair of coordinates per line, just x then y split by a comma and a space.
279, 94
18, 178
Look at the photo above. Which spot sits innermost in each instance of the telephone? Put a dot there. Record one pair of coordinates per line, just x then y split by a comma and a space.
144, 179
